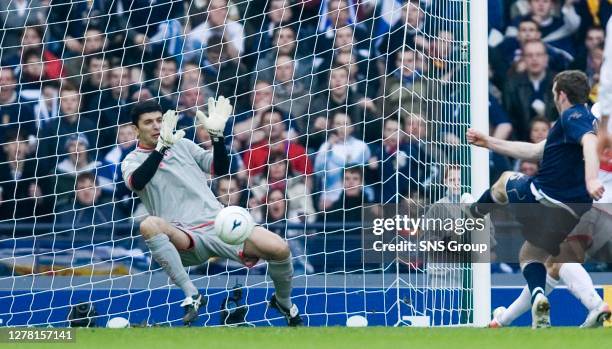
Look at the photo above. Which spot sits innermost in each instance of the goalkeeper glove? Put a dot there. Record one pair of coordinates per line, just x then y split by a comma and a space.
219, 111
167, 136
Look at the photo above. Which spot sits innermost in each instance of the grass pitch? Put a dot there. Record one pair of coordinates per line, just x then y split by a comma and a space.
332, 337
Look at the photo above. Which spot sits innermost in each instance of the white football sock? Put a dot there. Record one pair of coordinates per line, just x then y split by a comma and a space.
523, 303
579, 283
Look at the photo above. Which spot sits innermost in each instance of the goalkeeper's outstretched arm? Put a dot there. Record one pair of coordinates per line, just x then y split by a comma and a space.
517, 150
221, 160
219, 112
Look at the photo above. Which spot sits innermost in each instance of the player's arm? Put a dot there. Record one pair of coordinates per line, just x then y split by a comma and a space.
139, 178
218, 113
591, 166
517, 150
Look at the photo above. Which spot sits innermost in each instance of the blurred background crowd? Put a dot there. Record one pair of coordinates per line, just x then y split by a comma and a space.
338, 104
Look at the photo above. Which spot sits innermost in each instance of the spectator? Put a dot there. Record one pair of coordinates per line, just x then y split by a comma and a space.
556, 30
190, 100
594, 63
32, 74
96, 80
191, 74
528, 168
217, 24
343, 235
594, 38
339, 151
47, 107
403, 32
223, 76
440, 269
338, 16
538, 129
364, 76
246, 120
260, 28
398, 166
16, 112
77, 162
530, 93
68, 123
109, 172
290, 92
507, 58
279, 175
350, 204
114, 106
92, 43
15, 15
337, 99
89, 212
165, 84
132, 23
407, 87
21, 196
230, 191
32, 39
283, 44
256, 158
444, 56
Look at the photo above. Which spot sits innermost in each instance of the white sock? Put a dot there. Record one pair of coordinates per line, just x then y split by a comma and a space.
523, 303
580, 284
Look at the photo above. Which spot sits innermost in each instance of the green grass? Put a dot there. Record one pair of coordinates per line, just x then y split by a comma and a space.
333, 337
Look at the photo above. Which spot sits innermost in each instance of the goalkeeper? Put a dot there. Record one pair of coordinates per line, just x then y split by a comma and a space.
167, 173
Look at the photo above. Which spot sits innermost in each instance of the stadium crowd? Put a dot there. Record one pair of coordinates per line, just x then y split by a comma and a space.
337, 103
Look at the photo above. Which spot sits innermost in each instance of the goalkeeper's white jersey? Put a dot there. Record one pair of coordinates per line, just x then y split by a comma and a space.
178, 191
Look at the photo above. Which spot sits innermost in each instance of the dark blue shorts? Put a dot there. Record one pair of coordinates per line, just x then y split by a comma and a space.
518, 189
544, 225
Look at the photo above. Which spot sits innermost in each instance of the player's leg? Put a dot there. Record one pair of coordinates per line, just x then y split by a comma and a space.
587, 237
164, 241
495, 195
532, 259
503, 316
266, 245
580, 284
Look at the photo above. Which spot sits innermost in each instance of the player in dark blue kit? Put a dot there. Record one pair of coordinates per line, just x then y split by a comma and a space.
559, 194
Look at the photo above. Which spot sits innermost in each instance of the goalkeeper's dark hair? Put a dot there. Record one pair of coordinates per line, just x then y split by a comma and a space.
140, 108
575, 84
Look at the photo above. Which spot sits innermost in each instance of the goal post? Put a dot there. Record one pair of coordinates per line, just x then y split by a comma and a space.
340, 106
479, 115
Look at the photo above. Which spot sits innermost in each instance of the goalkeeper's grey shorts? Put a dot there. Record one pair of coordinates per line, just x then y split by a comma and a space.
205, 244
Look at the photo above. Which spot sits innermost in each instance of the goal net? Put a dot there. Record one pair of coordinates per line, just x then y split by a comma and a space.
344, 111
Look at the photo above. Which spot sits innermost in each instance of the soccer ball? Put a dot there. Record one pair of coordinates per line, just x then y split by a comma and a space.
233, 225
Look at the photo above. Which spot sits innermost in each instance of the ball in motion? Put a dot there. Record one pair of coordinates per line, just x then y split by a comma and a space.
234, 224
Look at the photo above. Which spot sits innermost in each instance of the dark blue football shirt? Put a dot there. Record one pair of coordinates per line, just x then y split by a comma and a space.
561, 174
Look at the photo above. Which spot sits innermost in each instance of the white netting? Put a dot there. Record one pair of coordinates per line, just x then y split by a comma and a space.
338, 105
